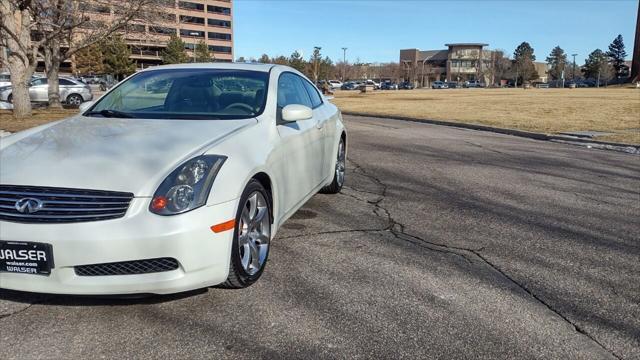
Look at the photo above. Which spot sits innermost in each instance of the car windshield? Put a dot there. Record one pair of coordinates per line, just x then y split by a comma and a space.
207, 94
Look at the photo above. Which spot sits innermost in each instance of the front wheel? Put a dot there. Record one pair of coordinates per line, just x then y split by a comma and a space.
339, 173
251, 237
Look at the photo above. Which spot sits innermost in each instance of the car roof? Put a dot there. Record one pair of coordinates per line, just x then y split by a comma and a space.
220, 65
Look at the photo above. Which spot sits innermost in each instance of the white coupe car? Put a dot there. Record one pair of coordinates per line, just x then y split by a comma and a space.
176, 179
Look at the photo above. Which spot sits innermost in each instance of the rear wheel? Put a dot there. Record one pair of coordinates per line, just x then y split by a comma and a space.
10, 98
74, 100
251, 238
339, 173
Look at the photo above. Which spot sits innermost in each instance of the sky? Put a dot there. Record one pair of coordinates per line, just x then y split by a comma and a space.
376, 30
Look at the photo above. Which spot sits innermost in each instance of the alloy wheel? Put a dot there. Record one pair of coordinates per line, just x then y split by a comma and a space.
340, 164
254, 233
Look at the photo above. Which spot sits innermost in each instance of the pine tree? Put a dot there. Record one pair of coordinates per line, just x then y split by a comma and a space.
117, 57
296, 61
597, 67
557, 61
617, 54
201, 52
174, 52
90, 60
523, 60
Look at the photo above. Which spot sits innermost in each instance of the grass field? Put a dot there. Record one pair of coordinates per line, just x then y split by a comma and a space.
615, 110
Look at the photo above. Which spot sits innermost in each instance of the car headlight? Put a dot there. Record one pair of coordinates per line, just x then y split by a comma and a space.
187, 187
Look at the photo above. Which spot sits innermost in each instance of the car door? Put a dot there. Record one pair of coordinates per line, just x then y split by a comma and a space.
39, 90
324, 125
301, 144
66, 87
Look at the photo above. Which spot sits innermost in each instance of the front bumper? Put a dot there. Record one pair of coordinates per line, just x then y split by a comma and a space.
203, 255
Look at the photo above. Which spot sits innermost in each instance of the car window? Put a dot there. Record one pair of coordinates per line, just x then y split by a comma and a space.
65, 82
188, 94
40, 81
316, 100
292, 91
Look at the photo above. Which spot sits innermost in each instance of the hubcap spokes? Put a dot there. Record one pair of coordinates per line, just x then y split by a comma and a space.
340, 164
254, 233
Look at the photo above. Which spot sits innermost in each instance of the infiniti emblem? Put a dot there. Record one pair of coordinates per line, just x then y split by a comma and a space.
28, 205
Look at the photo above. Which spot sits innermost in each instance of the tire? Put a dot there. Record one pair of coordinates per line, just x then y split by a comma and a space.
74, 100
251, 237
339, 173
10, 98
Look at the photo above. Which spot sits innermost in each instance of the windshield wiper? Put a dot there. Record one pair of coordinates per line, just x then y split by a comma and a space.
110, 113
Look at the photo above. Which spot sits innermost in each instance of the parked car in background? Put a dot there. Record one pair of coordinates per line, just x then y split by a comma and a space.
72, 92
349, 85
5, 79
453, 85
439, 85
336, 84
474, 84
406, 85
388, 85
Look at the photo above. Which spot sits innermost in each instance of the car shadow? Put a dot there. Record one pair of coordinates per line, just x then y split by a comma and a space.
94, 300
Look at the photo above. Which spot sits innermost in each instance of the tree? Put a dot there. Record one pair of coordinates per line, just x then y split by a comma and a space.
617, 55
201, 52
116, 57
241, 59
557, 61
32, 29
280, 60
597, 67
174, 52
523, 61
265, 59
296, 61
15, 34
501, 66
90, 60
314, 63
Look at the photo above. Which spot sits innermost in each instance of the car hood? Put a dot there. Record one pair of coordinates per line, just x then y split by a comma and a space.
130, 155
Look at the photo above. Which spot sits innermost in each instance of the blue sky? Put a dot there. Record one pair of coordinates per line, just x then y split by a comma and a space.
375, 30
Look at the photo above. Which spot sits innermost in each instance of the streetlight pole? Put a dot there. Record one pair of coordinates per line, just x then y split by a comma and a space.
344, 61
573, 75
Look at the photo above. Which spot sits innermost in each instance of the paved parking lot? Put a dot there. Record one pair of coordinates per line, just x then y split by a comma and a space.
446, 243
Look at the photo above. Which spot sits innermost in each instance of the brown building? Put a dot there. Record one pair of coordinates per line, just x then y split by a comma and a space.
459, 62
208, 20
193, 21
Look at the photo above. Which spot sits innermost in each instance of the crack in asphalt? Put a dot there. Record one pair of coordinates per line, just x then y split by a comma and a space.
398, 230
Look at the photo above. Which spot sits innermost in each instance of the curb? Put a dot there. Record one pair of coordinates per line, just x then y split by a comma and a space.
521, 133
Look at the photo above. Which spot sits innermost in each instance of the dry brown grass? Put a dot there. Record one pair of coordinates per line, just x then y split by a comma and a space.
40, 116
615, 110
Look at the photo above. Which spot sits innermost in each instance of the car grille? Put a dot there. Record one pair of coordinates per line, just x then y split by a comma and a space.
61, 205
128, 267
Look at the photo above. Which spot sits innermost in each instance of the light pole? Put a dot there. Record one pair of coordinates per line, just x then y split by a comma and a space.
573, 74
344, 61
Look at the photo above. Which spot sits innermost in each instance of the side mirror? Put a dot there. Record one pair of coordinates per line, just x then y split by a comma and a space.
295, 112
85, 105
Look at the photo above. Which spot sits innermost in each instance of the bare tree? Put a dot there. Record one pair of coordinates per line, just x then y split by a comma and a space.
15, 34
81, 29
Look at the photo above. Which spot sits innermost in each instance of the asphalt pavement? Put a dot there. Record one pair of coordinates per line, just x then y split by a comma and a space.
445, 243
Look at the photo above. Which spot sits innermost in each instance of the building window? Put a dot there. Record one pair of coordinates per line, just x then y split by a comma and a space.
135, 28
218, 10
100, 9
192, 33
191, 20
219, 36
190, 6
162, 30
190, 46
167, 3
220, 49
219, 23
